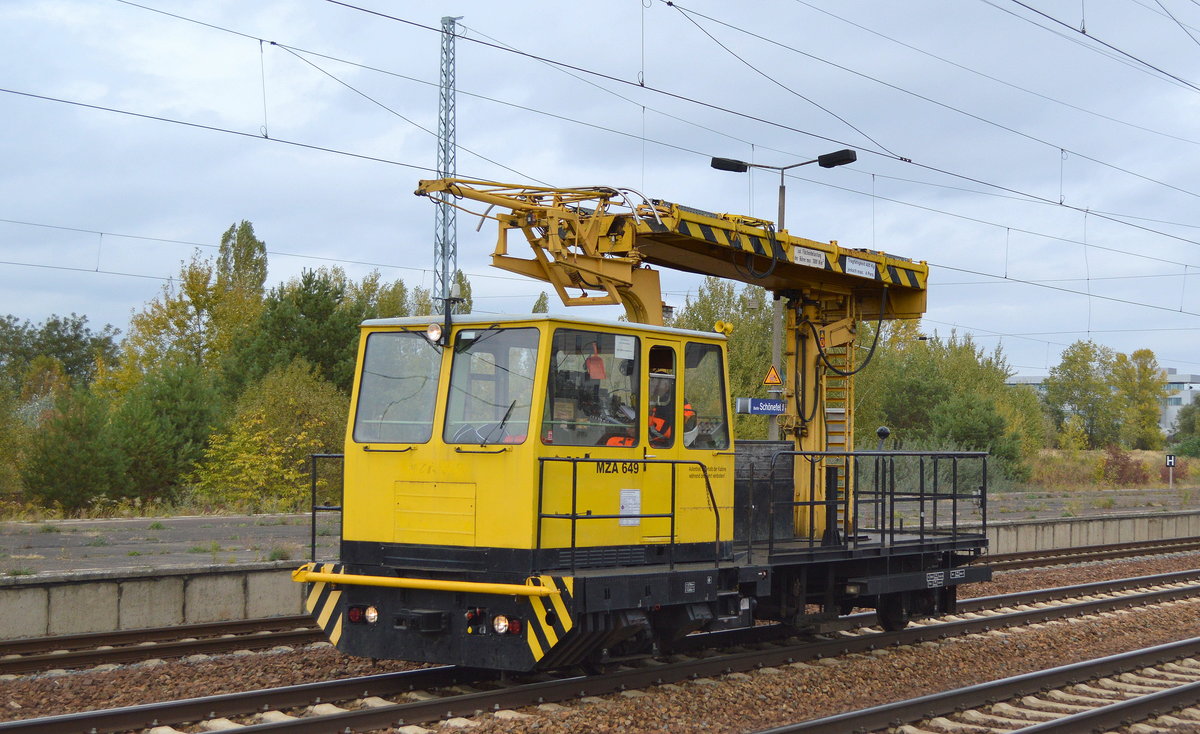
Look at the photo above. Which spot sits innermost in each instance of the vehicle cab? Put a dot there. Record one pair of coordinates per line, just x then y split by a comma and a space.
531, 442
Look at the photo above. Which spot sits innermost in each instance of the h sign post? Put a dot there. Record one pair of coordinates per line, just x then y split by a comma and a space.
1170, 471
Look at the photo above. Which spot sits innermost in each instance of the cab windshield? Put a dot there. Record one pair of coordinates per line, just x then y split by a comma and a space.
491, 386
398, 389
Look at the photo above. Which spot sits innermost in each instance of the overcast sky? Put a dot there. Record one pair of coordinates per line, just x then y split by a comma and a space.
1048, 176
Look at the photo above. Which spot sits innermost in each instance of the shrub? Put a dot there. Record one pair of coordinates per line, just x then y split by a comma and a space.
261, 460
1181, 471
1189, 446
1119, 469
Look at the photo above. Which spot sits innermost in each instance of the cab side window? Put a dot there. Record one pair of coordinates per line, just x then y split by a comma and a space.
592, 391
705, 420
663, 410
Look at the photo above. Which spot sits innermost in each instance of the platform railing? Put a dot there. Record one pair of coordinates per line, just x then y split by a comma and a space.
578, 514
316, 508
887, 489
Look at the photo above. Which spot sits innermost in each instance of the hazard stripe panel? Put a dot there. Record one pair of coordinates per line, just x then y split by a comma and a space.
550, 617
716, 232
322, 603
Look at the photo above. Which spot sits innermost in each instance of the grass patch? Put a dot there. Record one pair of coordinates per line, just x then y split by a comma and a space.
156, 525
19, 572
97, 542
49, 529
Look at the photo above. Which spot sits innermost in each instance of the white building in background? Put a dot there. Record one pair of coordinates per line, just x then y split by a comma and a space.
1181, 390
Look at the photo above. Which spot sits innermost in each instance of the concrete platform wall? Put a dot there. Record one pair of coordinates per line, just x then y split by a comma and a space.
119, 600
1069, 532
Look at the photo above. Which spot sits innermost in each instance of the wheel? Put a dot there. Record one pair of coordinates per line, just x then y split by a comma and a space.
892, 611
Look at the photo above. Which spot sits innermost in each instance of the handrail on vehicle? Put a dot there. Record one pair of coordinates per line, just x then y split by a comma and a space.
883, 498
575, 517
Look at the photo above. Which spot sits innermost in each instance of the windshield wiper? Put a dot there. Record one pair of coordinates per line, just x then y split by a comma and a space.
500, 425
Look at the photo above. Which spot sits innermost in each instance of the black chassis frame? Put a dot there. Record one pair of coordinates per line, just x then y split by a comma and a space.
609, 606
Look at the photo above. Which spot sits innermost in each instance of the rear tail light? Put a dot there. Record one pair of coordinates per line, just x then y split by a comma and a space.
361, 615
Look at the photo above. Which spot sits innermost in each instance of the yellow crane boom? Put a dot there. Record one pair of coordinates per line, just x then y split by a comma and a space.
600, 241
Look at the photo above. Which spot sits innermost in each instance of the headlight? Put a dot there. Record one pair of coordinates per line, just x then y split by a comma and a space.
500, 624
433, 332
372, 615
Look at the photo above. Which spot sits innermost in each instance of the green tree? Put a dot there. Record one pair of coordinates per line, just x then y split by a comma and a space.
900, 387
749, 311
45, 380
1185, 436
1187, 421
971, 421
70, 461
197, 316
162, 427
175, 326
375, 299
1140, 386
241, 260
260, 461
308, 317
1081, 384
542, 304
944, 393
14, 435
421, 303
241, 274
67, 339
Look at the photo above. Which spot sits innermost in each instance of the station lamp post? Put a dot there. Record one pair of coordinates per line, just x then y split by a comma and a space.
829, 160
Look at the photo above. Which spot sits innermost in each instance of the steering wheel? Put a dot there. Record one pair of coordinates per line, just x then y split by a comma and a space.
481, 434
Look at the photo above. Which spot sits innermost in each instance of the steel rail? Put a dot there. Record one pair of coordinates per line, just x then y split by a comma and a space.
938, 704
470, 704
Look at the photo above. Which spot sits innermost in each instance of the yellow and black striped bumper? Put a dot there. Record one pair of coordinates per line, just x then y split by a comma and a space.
543, 603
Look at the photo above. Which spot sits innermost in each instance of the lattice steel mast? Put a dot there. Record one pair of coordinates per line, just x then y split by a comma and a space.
445, 236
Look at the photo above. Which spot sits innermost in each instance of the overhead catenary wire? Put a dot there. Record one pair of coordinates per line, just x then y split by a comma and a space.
944, 105
745, 115
557, 64
1044, 97
1111, 47
217, 129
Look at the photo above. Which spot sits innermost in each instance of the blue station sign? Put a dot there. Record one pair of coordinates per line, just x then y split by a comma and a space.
760, 406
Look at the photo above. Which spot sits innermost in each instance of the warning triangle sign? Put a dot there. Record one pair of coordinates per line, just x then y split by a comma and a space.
772, 377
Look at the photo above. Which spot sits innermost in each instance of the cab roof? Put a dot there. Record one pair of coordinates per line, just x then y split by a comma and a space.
490, 319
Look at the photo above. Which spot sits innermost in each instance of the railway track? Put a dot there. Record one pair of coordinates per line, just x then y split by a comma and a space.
434, 694
129, 646
1039, 559
1160, 684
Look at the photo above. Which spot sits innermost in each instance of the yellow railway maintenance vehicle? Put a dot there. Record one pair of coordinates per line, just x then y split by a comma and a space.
533, 491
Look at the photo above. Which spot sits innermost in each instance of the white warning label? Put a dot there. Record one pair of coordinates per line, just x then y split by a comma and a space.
861, 268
